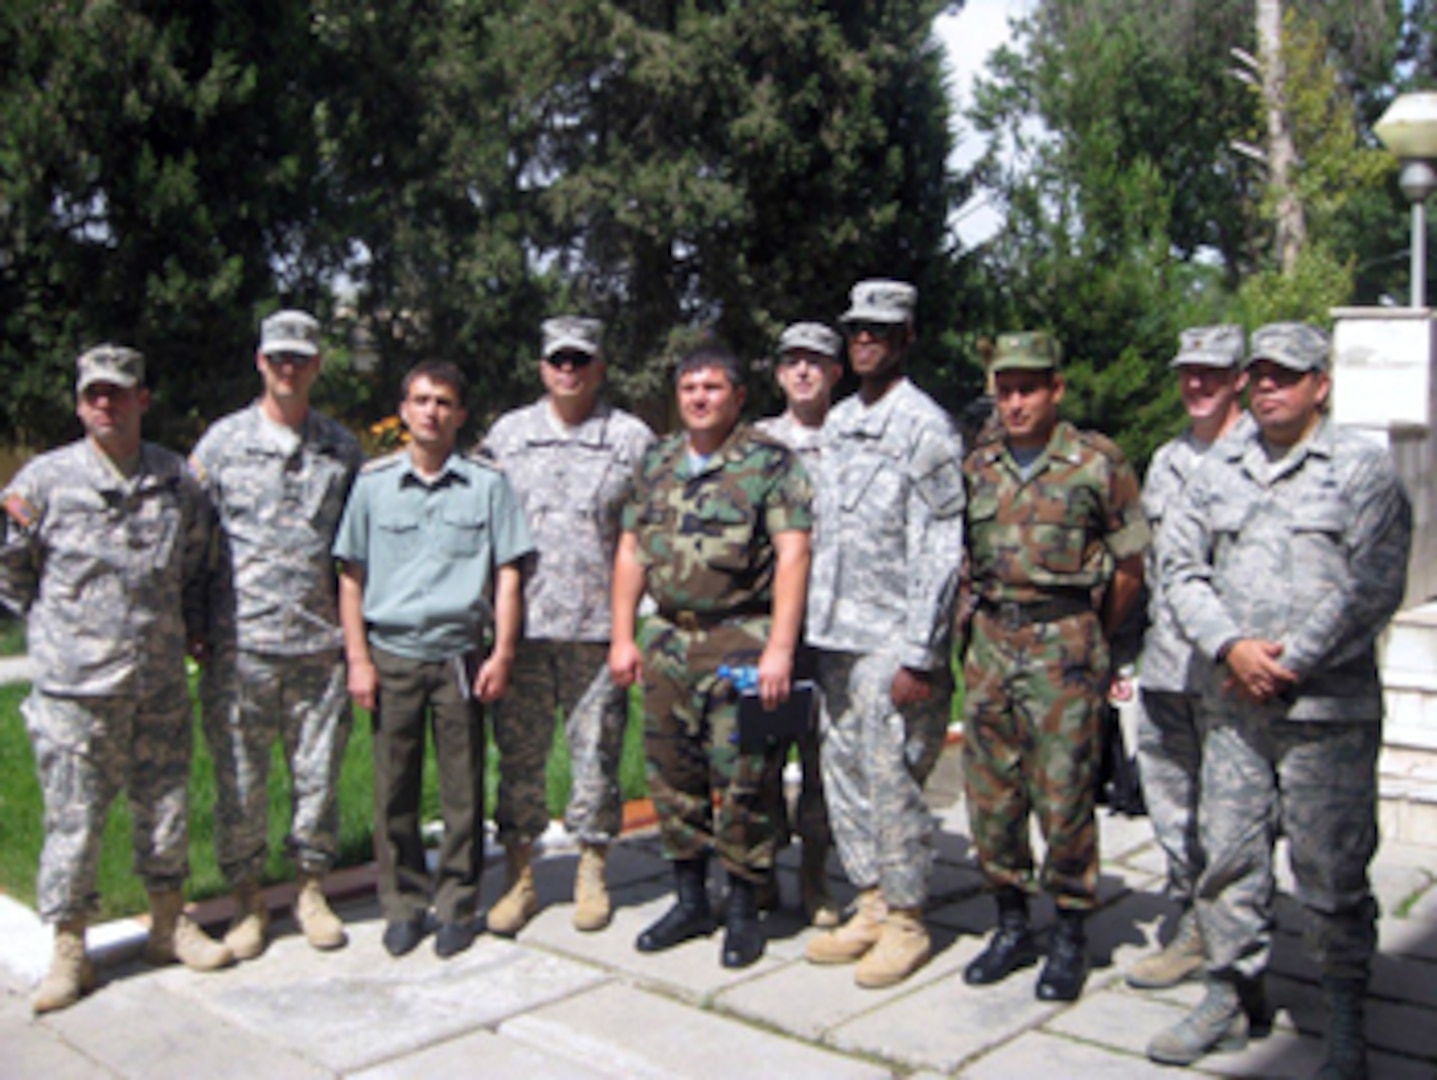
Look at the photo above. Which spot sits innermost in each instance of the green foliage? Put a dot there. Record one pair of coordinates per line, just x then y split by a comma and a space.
1318, 283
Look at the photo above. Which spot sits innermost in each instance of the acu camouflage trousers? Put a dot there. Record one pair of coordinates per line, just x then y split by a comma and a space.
571, 677
251, 700
691, 743
875, 760
1031, 744
1170, 766
87, 750
1316, 781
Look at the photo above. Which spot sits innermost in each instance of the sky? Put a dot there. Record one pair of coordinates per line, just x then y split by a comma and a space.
969, 36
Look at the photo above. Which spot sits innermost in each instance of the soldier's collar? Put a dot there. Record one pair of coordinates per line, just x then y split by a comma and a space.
873, 419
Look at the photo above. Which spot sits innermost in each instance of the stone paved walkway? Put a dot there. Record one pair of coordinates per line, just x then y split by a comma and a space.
556, 1003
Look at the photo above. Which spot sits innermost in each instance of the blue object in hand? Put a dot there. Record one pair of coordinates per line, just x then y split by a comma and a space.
744, 678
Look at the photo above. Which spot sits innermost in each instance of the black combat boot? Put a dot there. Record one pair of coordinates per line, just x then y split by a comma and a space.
1067, 967
1011, 947
690, 917
1346, 1040
743, 938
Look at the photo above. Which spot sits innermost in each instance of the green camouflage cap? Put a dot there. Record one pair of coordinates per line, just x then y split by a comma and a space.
570, 333
813, 336
1210, 346
1298, 346
289, 332
111, 364
1029, 350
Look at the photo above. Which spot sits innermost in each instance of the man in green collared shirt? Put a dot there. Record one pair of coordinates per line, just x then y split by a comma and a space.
423, 535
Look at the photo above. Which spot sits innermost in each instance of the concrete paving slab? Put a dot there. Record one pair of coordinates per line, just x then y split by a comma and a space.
1041, 1054
943, 1024
629, 1032
482, 1052
359, 1006
811, 1000
30, 1048
1414, 937
1116, 1018
138, 1029
1120, 836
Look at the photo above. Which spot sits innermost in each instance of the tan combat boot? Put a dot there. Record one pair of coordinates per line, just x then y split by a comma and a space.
850, 941
902, 950
322, 928
591, 894
520, 902
175, 937
70, 976
813, 887
246, 936
1181, 960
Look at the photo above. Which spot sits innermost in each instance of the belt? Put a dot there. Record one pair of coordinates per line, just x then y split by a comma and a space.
1015, 614
692, 621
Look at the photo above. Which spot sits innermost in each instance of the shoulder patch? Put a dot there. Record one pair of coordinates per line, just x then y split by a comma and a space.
19, 509
197, 469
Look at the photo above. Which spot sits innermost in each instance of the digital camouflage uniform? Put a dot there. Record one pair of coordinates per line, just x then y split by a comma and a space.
110, 572
1037, 667
705, 541
1169, 741
886, 556
276, 668
571, 484
812, 818
1309, 551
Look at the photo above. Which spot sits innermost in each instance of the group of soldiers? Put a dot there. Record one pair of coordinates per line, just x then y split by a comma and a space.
840, 544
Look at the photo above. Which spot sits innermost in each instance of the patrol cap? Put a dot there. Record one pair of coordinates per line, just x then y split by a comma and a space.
570, 333
1028, 350
109, 363
1298, 346
1219, 346
882, 301
289, 332
812, 336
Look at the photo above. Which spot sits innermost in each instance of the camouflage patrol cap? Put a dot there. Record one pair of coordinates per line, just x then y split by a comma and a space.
1219, 346
1029, 350
111, 364
571, 333
1298, 346
289, 332
812, 336
880, 300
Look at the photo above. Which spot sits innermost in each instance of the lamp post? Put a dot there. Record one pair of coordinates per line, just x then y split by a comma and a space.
1409, 130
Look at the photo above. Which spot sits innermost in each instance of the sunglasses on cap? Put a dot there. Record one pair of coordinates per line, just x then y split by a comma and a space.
570, 358
879, 331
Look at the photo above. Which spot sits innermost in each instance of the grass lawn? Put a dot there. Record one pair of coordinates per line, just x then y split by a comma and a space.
12, 635
21, 831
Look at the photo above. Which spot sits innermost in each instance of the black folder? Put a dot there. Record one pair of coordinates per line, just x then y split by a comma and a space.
759, 729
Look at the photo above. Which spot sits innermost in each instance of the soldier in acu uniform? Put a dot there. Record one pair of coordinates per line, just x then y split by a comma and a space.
104, 550
1053, 519
277, 474
1283, 561
809, 367
1210, 379
888, 550
717, 531
570, 457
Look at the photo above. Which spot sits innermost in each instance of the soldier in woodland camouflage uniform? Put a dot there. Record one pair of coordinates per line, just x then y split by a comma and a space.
1209, 370
1053, 517
104, 549
1283, 560
888, 547
717, 531
277, 474
570, 458
809, 368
